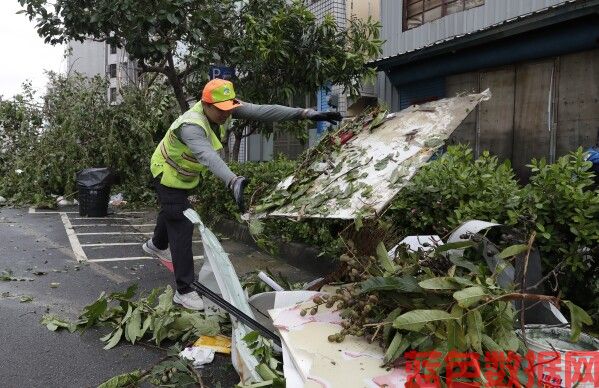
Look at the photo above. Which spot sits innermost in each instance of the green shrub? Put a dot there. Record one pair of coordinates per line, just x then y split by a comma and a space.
214, 202
452, 189
562, 206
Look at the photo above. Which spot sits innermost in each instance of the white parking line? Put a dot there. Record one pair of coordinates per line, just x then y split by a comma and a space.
132, 225
200, 257
34, 210
113, 233
103, 218
121, 243
75, 245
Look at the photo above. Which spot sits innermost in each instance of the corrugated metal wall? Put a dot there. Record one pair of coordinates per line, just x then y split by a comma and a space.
492, 12
421, 92
539, 109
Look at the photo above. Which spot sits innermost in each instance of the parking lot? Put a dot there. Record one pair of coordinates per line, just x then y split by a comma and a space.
68, 261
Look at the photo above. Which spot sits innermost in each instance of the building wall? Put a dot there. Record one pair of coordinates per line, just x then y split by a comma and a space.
87, 58
539, 109
398, 41
492, 12
92, 58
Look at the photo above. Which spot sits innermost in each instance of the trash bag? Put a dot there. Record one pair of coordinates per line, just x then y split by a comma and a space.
94, 178
93, 185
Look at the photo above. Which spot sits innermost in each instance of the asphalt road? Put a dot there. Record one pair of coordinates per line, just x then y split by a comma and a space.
33, 356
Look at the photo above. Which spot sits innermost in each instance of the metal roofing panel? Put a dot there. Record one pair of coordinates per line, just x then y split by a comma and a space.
492, 14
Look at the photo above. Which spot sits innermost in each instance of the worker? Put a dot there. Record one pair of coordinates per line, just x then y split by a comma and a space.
188, 149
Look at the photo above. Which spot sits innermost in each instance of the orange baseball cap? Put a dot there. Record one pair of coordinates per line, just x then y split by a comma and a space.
221, 94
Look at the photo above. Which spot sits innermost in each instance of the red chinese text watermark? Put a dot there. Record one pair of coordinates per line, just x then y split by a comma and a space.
499, 369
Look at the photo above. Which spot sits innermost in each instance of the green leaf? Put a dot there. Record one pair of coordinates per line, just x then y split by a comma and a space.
460, 262
469, 296
405, 283
440, 283
134, 326
388, 327
114, 340
25, 298
358, 222
455, 245
120, 381
92, 313
53, 323
251, 337
490, 345
256, 227
127, 295
165, 301
512, 250
455, 332
577, 317
474, 323
146, 325
414, 320
398, 345
384, 259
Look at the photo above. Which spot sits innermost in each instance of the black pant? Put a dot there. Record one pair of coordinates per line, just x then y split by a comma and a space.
175, 230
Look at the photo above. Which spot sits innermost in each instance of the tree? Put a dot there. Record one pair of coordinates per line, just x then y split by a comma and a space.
278, 47
42, 147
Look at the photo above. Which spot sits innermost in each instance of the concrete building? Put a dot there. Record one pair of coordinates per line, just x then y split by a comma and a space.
92, 58
539, 58
259, 147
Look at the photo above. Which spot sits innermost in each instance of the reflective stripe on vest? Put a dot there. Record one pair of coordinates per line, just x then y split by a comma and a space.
174, 160
174, 165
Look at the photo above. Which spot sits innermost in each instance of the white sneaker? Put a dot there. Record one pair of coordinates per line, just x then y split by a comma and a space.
191, 300
164, 255
150, 248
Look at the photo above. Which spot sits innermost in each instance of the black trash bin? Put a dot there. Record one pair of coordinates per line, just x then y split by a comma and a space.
93, 185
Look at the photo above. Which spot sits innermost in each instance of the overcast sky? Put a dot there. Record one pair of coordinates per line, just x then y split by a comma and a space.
24, 54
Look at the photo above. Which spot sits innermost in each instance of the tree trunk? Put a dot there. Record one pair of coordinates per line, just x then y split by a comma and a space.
236, 145
225, 144
173, 79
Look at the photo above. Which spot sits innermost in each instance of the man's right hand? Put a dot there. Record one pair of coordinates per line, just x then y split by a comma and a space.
331, 117
237, 186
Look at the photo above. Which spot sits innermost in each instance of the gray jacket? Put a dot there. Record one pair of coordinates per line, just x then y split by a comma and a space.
195, 137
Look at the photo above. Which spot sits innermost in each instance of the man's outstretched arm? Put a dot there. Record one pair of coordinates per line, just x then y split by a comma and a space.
271, 113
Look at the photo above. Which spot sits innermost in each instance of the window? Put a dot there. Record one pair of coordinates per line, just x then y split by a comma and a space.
113, 48
419, 12
112, 96
112, 70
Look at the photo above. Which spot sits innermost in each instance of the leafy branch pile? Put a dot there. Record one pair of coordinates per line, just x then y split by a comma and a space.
560, 204
154, 318
171, 371
445, 299
270, 366
323, 159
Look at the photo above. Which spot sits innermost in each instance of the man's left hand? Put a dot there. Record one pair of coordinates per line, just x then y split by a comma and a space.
237, 186
331, 117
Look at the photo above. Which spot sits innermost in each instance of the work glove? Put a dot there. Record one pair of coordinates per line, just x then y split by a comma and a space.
331, 117
237, 186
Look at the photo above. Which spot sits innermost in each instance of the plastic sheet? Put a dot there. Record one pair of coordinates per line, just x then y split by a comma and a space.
94, 178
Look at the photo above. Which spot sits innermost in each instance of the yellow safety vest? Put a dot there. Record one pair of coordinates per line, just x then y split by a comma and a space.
173, 158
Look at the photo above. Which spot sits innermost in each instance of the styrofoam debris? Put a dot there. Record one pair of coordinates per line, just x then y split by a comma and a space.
200, 355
